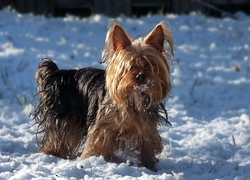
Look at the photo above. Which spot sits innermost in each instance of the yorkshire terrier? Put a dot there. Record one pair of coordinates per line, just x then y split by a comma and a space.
113, 111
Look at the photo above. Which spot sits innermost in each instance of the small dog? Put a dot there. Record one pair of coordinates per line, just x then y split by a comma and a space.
113, 111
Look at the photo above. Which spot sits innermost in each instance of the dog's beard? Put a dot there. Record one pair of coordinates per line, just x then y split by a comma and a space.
141, 101
141, 98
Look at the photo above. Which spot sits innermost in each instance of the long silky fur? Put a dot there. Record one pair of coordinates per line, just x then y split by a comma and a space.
68, 102
102, 107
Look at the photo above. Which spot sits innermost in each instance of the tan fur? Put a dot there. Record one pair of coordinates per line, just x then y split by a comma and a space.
117, 110
130, 123
136, 133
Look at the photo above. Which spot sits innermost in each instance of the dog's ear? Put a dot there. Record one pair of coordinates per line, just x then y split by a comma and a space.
116, 40
158, 35
120, 38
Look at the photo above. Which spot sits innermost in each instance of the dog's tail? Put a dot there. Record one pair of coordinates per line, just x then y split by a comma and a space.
45, 68
61, 126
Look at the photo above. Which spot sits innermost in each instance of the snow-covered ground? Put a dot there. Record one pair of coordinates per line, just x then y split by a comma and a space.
209, 104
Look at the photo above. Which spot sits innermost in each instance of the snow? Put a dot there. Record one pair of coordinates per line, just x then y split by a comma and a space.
209, 106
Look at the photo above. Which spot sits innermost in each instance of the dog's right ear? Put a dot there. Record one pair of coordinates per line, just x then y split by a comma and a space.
116, 39
120, 39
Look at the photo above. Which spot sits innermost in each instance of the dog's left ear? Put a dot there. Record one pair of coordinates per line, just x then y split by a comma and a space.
158, 35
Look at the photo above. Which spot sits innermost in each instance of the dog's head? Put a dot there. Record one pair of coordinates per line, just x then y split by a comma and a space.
137, 72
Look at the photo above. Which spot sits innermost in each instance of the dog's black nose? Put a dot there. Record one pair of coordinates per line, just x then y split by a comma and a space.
140, 78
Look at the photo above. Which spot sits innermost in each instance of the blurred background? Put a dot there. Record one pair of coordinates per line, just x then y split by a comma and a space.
134, 8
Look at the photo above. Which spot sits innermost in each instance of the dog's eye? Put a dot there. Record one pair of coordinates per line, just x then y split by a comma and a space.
132, 68
147, 66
